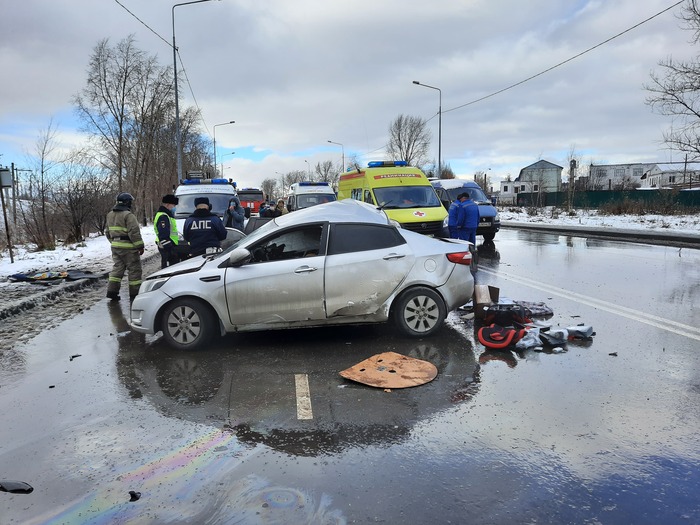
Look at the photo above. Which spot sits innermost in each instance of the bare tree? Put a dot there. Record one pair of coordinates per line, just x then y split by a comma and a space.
326, 172
574, 163
103, 104
446, 171
37, 210
269, 187
82, 196
483, 180
353, 162
409, 140
674, 92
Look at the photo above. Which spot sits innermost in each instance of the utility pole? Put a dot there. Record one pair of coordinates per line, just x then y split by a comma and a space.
6, 182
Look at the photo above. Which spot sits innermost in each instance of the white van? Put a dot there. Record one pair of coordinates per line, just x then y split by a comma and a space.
306, 194
218, 191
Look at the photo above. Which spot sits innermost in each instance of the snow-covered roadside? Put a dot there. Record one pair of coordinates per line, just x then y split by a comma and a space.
90, 255
592, 219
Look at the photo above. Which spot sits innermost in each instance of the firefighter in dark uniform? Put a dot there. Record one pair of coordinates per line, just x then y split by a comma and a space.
124, 234
166, 231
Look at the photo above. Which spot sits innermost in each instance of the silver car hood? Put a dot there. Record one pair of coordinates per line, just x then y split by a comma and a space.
188, 266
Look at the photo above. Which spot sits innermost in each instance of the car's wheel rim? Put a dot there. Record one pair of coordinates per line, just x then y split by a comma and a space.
421, 313
184, 325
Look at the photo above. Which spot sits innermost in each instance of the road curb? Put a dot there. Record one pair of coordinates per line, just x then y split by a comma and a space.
621, 234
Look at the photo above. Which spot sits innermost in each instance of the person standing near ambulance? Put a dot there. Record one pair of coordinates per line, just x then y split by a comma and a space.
455, 217
470, 219
166, 231
203, 229
124, 234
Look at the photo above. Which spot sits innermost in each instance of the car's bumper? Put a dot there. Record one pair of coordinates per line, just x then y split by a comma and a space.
487, 225
144, 310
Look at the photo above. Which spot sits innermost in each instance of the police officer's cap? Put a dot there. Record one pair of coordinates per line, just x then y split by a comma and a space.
170, 199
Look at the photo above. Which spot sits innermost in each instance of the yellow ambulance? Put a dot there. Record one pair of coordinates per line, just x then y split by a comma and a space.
402, 191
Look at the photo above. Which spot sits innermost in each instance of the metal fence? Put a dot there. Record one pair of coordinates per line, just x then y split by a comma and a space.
596, 199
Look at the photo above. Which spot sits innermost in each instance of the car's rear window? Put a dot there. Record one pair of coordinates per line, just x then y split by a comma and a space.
347, 238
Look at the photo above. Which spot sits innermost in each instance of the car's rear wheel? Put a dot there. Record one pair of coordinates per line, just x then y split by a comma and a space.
419, 312
188, 324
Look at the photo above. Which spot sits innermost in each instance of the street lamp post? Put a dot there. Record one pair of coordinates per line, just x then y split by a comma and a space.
308, 168
343, 152
222, 124
222, 160
178, 137
439, 169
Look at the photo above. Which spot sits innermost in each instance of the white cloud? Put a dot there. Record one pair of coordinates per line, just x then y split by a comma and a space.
296, 74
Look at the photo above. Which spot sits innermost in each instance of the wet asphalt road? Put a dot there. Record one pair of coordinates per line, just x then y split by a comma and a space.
581, 436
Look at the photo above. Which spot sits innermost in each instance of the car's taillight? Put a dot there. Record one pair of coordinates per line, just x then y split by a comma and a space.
460, 258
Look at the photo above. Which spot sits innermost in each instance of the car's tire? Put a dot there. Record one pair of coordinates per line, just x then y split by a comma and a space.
188, 324
419, 312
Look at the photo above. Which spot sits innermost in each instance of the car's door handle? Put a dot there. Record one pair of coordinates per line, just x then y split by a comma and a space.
305, 269
210, 279
393, 256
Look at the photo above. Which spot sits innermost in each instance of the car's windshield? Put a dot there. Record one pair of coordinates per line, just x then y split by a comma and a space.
397, 197
218, 201
476, 194
306, 201
248, 195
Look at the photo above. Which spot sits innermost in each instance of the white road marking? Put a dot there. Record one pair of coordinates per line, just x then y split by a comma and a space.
303, 397
669, 325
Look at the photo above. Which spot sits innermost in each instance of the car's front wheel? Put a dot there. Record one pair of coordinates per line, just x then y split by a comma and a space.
419, 312
188, 324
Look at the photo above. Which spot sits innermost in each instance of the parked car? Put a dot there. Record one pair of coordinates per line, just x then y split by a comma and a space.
448, 189
343, 262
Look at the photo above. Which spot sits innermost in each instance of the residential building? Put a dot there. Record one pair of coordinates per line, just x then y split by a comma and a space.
541, 177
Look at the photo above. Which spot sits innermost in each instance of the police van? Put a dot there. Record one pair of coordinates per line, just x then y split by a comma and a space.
402, 191
306, 194
218, 191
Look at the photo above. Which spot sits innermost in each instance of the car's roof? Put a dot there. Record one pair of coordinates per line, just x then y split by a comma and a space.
454, 183
346, 210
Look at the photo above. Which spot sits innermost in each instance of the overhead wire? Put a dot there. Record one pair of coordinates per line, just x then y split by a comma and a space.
182, 65
564, 61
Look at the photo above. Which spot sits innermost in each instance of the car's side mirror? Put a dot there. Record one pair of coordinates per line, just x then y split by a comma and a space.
239, 257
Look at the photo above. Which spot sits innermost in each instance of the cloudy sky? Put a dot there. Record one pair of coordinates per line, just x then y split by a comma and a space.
296, 74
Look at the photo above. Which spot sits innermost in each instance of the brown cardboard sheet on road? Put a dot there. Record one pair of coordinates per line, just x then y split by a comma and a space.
391, 370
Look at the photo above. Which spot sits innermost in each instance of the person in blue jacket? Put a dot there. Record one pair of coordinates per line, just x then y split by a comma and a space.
203, 230
470, 219
455, 217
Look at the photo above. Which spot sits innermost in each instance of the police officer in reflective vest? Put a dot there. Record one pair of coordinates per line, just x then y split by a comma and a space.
124, 234
166, 231
203, 229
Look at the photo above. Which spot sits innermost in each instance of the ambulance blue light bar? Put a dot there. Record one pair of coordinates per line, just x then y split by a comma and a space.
308, 183
387, 163
205, 181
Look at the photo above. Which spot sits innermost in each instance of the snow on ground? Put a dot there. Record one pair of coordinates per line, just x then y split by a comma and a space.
83, 256
591, 218
96, 250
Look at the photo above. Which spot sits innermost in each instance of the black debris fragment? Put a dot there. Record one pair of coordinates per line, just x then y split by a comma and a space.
614, 354
134, 496
16, 487
74, 356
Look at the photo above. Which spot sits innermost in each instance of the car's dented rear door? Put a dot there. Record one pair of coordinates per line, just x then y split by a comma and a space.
364, 268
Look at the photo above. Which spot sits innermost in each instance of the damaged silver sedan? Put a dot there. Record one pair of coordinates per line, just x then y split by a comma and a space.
344, 262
